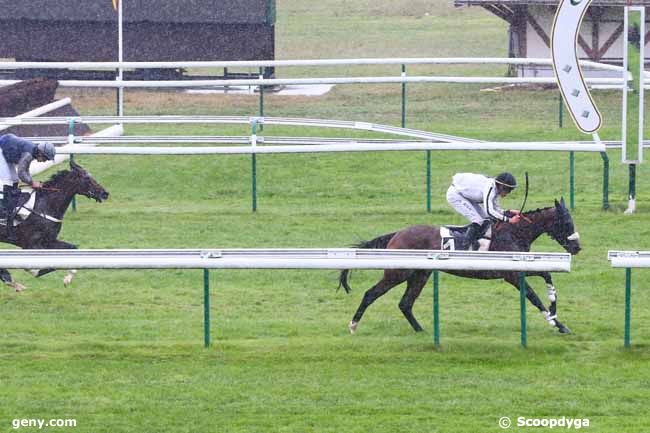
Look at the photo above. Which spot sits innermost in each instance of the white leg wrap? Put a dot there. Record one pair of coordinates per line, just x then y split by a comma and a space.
552, 293
67, 280
631, 206
550, 319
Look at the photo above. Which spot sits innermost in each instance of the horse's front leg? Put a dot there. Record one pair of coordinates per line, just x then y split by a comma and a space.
513, 278
56, 245
551, 315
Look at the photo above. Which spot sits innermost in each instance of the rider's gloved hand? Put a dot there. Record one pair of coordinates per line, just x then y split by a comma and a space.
515, 219
37, 185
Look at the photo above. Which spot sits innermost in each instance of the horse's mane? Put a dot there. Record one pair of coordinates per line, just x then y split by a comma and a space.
56, 178
530, 212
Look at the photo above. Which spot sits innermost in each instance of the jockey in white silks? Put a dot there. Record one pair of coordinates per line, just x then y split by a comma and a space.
476, 197
16, 155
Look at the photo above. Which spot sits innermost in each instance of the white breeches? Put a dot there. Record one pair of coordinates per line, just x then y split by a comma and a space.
472, 211
8, 174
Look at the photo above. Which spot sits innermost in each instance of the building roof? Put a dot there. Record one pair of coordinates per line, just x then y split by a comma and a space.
157, 11
612, 3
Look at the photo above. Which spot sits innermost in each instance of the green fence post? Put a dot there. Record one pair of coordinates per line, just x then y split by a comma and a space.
206, 307
522, 306
628, 307
605, 180
403, 97
429, 181
572, 180
561, 112
436, 309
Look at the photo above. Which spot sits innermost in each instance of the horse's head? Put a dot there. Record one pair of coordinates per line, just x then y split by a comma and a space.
563, 229
87, 185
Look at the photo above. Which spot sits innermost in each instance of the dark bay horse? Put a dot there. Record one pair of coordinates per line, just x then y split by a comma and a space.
555, 221
41, 228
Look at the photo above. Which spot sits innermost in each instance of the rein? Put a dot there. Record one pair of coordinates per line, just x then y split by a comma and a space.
43, 188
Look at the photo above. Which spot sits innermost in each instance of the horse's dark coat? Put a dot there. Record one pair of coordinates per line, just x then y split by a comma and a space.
554, 221
37, 232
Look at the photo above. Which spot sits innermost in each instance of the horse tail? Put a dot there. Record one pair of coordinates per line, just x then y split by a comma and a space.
380, 242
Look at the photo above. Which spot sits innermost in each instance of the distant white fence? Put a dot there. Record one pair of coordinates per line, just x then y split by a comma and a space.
35, 113
262, 81
427, 141
311, 62
258, 144
38, 167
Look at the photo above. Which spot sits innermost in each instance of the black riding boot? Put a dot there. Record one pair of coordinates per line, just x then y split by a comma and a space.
472, 236
10, 201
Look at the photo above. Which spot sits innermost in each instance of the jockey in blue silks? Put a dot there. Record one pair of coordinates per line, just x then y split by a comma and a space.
15, 158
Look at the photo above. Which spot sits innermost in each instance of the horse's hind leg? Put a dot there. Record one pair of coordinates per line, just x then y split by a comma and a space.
415, 284
390, 280
5, 277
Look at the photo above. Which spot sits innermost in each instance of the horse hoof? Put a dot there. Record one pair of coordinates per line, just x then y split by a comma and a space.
352, 326
67, 280
564, 330
17, 286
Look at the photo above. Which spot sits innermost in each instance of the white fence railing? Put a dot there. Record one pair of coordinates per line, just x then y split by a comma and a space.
262, 81
427, 141
297, 63
35, 113
332, 258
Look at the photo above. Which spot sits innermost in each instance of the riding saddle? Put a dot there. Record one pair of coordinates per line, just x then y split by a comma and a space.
454, 238
24, 204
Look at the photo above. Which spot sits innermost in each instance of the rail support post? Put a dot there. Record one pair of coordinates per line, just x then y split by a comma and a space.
436, 309
605, 158
628, 306
572, 159
522, 306
428, 181
206, 307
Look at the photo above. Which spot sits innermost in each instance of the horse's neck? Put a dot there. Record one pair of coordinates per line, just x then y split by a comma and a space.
532, 226
541, 222
58, 200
